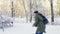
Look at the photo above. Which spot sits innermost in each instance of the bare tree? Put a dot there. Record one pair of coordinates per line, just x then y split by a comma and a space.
30, 10
52, 13
12, 8
25, 11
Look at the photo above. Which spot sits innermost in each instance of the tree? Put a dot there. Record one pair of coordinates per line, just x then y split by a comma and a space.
25, 11
12, 8
30, 11
52, 13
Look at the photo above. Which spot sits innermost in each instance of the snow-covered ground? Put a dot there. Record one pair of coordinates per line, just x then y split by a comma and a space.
20, 26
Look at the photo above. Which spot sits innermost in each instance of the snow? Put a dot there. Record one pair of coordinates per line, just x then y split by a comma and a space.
20, 26
56, 21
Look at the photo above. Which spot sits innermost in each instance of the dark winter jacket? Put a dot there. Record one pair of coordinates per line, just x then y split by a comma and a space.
39, 23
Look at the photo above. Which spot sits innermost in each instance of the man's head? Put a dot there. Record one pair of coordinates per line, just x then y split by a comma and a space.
36, 12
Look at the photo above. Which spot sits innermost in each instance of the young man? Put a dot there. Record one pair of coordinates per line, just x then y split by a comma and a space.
39, 23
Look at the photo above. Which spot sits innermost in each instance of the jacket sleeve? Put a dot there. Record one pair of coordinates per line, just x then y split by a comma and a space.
36, 21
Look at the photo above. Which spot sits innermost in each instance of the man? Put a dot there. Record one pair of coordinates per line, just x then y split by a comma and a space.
39, 23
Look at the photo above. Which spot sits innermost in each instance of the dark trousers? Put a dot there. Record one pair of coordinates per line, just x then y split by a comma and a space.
39, 32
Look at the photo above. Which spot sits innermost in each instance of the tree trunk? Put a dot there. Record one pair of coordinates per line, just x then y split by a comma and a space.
52, 13
25, 11
30, 11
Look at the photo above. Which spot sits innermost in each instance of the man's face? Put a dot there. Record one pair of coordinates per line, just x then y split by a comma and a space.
35, 14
